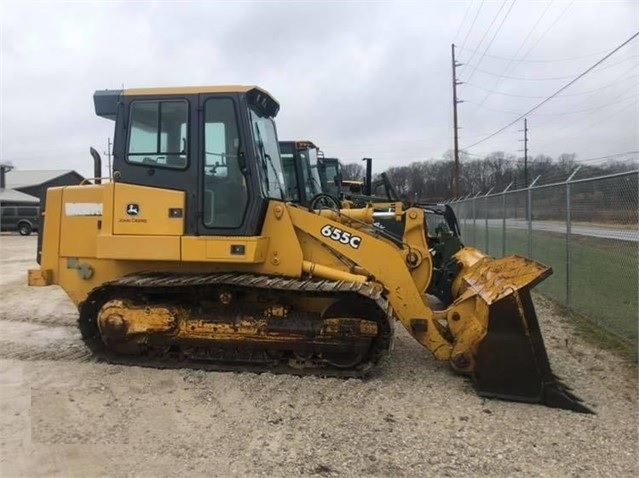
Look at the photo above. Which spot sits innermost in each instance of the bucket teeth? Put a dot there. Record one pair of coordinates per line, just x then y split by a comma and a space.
560, 380
555, 395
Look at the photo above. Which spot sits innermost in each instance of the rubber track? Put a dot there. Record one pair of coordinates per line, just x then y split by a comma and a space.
144, 283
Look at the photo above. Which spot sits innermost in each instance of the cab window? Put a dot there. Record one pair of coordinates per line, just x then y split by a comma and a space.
158, 133
290, 179
225, 191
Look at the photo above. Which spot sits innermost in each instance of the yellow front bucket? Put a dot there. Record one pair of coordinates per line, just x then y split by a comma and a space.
511, 361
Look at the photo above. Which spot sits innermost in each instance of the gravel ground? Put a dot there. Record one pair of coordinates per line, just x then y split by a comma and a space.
65, 415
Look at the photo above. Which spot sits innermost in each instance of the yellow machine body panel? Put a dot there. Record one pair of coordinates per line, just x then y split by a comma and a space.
81, 213
224, 250
80, 249
139, 248
145, 211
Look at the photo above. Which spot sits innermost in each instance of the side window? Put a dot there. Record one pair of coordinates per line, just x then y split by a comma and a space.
225, 192
27, 211
8, 212
158, 133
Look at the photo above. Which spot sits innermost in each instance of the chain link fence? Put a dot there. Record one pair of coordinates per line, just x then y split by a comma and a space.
585, 229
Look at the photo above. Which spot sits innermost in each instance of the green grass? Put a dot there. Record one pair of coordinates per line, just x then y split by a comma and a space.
605, 285
596, 335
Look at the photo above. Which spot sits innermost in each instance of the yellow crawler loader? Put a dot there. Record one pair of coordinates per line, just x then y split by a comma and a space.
192, 256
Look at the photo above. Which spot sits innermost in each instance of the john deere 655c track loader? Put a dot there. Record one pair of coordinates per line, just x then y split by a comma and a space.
192, 256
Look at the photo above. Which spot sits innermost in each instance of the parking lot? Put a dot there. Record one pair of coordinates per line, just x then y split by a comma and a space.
64, 414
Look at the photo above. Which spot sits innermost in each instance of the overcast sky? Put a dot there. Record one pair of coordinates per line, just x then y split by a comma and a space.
357, 78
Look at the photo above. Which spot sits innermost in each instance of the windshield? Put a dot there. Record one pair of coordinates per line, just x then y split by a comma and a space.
272, 176
310, 175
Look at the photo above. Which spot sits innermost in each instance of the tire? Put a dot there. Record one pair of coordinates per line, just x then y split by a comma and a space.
24, 228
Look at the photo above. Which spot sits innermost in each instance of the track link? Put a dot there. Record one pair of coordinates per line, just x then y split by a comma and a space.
141, 286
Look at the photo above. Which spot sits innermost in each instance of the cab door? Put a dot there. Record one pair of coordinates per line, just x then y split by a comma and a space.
227, 205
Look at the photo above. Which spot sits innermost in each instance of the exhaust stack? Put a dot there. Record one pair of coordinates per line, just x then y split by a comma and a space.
97, 166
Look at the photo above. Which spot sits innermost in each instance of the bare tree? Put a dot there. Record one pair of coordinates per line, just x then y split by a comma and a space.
352, 171
432, 180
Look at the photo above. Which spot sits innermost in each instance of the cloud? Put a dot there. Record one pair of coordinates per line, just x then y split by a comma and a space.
358, 78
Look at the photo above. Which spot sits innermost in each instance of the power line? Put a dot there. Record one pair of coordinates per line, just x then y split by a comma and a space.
473, 23
494, 35
522, 78
564, 113
581, 93
557, 92
503, 4
588, 99
519, 78
556, 60
521, 46
548, 29
463, 20
600, 120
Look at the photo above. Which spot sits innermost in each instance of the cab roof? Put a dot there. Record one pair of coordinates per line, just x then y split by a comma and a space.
106, 101
191, 90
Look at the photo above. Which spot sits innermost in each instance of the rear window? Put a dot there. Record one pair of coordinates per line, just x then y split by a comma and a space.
158, 133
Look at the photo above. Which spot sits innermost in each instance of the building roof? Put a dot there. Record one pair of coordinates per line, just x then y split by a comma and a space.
10, 195
20, 178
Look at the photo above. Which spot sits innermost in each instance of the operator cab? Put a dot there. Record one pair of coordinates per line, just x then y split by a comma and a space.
216, 144
301, 171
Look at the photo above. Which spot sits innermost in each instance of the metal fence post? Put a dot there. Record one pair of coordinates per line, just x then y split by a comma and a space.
475, 219
568, 233
486, 223
529, 215
503, 220
466, 213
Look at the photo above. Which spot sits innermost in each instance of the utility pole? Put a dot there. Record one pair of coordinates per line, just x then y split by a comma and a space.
525, 140
108, 153
526, 151
455, 127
